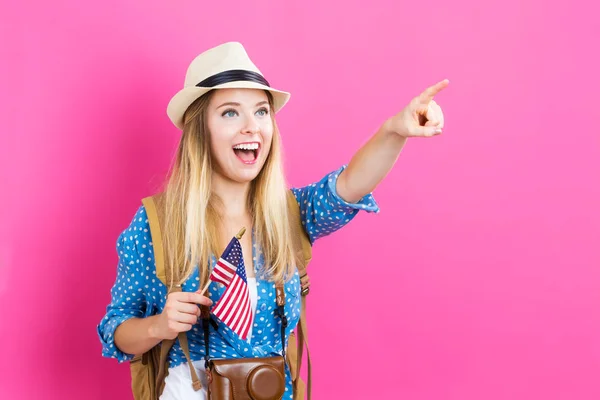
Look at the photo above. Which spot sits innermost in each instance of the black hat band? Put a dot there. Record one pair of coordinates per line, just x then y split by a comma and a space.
233, 76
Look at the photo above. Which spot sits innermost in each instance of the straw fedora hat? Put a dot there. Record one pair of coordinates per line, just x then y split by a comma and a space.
224, 66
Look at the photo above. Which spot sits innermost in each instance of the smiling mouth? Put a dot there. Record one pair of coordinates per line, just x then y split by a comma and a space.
247, 152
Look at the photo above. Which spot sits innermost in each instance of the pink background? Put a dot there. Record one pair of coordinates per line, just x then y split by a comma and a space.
485, 256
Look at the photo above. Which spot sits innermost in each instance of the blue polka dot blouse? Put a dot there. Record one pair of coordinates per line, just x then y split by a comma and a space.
137, 292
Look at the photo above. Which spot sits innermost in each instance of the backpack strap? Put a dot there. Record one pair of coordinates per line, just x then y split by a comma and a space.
155, 223
303, 245
154, 211
183, 341
303, 342
301, 241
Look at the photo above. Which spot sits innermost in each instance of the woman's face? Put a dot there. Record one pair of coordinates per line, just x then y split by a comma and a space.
241, 130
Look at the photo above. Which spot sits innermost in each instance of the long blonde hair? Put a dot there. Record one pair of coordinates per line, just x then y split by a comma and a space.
192, 224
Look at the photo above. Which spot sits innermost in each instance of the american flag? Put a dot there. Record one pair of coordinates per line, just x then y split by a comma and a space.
233, 308
225, 268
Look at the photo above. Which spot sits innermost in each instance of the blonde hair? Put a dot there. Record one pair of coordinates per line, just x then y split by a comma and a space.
192, 224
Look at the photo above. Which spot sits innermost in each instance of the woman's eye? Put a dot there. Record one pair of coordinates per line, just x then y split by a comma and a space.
262, 112
229, 113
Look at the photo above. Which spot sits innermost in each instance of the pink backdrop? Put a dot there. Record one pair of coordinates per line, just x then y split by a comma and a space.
487, 283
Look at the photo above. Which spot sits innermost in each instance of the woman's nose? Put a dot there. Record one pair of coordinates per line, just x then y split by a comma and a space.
251, 127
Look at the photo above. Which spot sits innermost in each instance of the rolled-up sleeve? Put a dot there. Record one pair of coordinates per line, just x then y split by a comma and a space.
128, 299
323, 211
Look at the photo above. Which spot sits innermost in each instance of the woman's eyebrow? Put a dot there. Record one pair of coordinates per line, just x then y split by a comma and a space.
231, 103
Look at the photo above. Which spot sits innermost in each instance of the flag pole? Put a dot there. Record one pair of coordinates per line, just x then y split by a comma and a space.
238, 237
240, 233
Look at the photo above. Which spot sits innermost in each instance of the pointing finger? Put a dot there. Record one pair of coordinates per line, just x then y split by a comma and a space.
429, 93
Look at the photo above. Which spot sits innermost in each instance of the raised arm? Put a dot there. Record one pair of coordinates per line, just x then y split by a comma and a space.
422, 117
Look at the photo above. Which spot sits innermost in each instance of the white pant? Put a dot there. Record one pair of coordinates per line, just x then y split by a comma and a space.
178, 384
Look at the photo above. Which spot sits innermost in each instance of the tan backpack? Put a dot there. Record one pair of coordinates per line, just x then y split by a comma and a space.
148, 370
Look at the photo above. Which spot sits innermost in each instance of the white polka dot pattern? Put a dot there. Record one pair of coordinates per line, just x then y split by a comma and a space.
137, 291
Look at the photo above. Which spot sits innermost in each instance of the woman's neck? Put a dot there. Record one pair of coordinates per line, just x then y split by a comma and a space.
233, 196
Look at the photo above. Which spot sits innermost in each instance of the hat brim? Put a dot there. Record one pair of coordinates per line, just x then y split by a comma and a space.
186, 96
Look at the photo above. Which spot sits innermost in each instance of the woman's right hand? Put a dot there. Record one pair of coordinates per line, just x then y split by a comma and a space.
181, 312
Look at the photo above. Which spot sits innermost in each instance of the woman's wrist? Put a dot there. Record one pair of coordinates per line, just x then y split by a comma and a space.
153, 328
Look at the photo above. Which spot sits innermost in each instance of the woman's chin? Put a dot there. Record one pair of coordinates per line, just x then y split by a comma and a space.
246, 175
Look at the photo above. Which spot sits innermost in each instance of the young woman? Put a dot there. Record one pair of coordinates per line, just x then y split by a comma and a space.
228, 174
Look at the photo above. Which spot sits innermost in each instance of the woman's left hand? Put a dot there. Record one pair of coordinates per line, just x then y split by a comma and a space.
422, 117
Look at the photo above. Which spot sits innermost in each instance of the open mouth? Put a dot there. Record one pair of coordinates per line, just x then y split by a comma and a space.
247, 152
